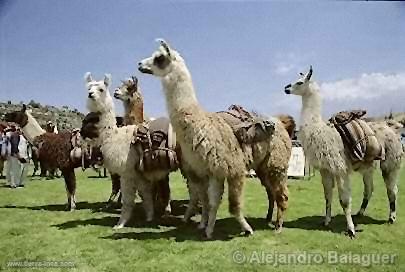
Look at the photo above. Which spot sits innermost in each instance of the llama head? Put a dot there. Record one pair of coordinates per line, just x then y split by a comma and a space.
161, 62
19, 117
301, 86
129, 91
99, 98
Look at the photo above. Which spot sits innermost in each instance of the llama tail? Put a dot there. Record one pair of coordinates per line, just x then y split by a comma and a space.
288, 122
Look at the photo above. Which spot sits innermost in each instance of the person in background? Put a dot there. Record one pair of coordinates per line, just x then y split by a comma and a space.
2, 150
23, 157
13, 164
6, 151
50, 127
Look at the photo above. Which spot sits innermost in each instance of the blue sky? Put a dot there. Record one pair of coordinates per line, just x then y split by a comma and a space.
237, 52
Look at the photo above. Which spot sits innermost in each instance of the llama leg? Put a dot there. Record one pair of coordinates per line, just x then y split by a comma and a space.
235, 198
215, 192
346, 202
267, 185
270, 209
193, 202
146, 190
116, 185
368, 190
70, 185
390, 179
203, 197
327, 182
164, 195
128, 198
43, 168
281, 196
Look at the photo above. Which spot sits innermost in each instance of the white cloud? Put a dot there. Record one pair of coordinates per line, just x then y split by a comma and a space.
365, 87
287, 63
283, 68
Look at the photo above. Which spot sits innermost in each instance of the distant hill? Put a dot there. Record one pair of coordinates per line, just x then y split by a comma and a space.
65, 118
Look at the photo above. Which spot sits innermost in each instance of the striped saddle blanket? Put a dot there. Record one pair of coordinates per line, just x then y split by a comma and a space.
358, 138
247, 127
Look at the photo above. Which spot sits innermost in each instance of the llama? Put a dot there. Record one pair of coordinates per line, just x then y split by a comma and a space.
54, 149
129, 93
119, 156
210, 150
131, 96
324, 149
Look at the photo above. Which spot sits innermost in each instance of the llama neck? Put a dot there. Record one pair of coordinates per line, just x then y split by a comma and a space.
32, 129
311, 106
179, 91
107, 124
133, 112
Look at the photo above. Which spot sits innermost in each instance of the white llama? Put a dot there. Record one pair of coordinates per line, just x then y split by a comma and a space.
119, 157
208, 144
324, 148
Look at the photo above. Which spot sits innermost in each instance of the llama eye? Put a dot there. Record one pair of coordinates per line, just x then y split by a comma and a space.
101, 90
300, 83
159, 60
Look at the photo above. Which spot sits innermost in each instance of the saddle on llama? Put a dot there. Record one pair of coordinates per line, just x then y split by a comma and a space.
76, 152
248, 127
358, 138
155, 141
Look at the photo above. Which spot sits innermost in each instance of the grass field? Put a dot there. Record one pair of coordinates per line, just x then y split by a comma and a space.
35, 227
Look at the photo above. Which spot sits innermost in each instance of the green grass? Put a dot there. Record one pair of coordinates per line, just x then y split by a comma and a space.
35, 227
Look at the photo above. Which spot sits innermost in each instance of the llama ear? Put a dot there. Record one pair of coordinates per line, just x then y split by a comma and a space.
135, 81
308, 77
107, 79
165, 45
88, 77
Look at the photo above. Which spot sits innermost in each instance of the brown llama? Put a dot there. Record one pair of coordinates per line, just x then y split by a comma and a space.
55, 149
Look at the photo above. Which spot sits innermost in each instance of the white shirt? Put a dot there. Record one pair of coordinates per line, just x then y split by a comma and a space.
23, 147
3, 144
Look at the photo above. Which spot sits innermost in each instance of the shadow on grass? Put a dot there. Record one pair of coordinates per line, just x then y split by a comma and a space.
98, 177
337, 225
84, 205
225, 229
108, 221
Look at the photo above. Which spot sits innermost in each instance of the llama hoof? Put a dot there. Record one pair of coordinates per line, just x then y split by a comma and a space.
70, 208
248, 233
391, 220
207, 236
201, 226
326, 222
359, 214
278, 230
351, 234
108, 206
118, 226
